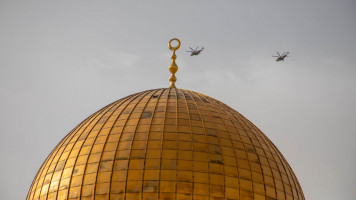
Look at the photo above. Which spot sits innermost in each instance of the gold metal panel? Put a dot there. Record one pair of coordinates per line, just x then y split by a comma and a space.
76, 181
134, 175
168, 175
231, 182
74, 192
89, 179
184, 187
62, 195
168, 186
231, 193
150, 187
64, 183
88, 190
133, 186
151, 174
102, 188
216, 191
104, 177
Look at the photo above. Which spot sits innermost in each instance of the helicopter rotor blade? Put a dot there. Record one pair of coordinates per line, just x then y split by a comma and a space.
191, 48
278, 53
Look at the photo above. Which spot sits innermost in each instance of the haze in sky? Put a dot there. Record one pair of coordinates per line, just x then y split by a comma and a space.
60, 61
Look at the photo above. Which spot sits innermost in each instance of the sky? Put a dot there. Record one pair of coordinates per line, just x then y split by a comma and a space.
60, 61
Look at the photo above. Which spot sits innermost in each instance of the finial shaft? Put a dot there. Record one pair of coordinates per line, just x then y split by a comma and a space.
173, 68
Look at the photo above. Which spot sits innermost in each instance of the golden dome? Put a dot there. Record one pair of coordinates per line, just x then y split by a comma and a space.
165, 144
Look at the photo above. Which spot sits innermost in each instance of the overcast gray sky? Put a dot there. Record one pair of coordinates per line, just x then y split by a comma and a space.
61, 61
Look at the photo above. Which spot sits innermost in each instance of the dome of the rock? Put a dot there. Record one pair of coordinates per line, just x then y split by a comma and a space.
165, 144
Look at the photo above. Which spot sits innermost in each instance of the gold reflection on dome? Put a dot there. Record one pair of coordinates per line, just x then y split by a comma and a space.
165, 144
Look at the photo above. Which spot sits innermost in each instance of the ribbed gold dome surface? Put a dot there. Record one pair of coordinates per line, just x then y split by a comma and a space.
165, 144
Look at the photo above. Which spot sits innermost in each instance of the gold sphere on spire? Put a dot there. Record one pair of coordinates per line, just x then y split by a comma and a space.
173, 68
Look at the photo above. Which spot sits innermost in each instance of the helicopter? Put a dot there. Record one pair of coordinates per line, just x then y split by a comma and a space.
281, 57
195, 52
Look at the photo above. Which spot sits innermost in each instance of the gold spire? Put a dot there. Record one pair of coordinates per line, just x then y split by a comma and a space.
173, 68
